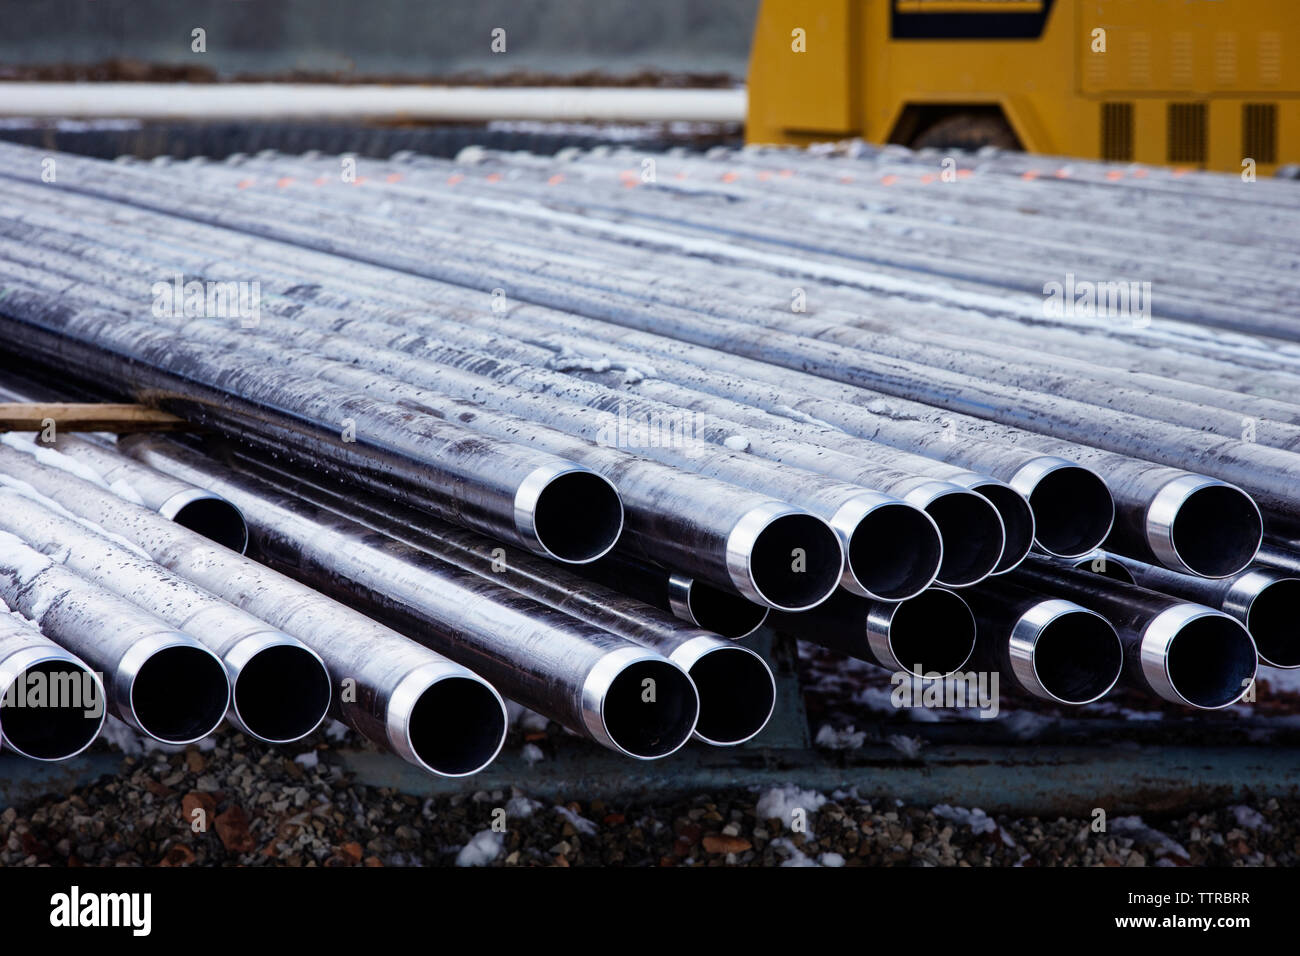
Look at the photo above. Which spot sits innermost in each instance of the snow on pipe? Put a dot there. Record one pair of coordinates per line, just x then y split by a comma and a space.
580, 675
541, 501
160, 680
1182, 651
470, 104
280, 689
736, 688
1261, 597
51, 702
432, 712
932, 633
1050, 647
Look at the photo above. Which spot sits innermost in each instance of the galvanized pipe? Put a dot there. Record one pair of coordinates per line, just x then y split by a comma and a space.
736, 689
280, 689
577, 674
1181, 651
51, 703
430, 711
1049, 647
932, 634
161, 681
1262, 598
543, 502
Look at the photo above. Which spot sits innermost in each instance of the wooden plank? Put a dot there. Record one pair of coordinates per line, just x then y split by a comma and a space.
86, 417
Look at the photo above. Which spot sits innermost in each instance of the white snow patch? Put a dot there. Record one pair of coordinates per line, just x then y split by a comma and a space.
780, 803
123, 489
580, 823
1249, 817
482, 849
909, 747
522, 807
1134, 828
978, 821
308, 759
797, 856
532, 754
846, 739
832, 859
336, 729
736, 442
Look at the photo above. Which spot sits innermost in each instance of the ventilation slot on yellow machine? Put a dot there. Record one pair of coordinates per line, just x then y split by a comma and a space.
1117, 132
1259, 132
1187, 133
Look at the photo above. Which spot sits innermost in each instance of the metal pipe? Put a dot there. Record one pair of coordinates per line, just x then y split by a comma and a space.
736, 689
1262, 598
1183, 652
577, 674
932, 634
1050, 647
280, 689
161, 681
545, 503
432, 712
722, 612
51, 703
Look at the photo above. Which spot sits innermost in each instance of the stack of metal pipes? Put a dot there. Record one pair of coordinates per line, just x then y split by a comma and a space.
571, 427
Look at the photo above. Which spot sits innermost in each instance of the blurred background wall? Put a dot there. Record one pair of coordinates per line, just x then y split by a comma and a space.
413, 38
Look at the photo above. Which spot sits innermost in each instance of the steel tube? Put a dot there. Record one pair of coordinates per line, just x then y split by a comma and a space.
932, 634
161, 681
432, 712
280, 689
579, 675
1181, 651
736, 689
1262, 598
51, 702
1049, 647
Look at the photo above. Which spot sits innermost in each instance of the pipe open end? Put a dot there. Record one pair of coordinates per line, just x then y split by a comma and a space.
282, 693
1217, 530
933, 633
1018, 526
457, 726
649, 709
1211, 661
895, 552
213, 517
972, 537
1073, 511
725, 613
796, 562
180, 694
1271, 620
577, 516
66, 718
1077, 657
737, 695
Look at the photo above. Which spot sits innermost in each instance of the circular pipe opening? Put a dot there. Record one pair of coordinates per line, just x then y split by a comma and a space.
457, 726
1217, 531
725, 613
737, 694
578, 517
66, 720
180, 694
796, 561
1073, 511
216, 519
1211, 661
649, 725
1017, 523
933, 633
282, 693
1077, 657
972, 537
1271, 621
895, 551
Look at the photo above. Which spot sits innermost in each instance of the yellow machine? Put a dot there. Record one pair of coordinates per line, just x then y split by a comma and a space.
1197, 83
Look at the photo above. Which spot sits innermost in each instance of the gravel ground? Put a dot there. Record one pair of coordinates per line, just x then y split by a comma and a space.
291, 807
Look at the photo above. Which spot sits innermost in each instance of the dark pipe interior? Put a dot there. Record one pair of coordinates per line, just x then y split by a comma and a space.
1077, 657
1210, 661
180, 694
786, 580
457, 726
216, 519
932, 633
650, 728
725, 613
578, 516
972, 537
1273, 622
895, 552
65, 721
736, 695
282, 693
1017, 523
1217, 531
1073, 510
